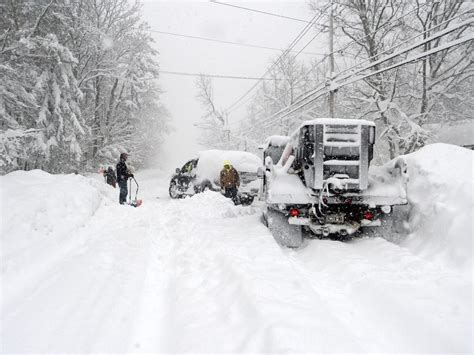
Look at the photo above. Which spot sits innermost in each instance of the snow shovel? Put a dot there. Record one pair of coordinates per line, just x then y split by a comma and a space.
136, 202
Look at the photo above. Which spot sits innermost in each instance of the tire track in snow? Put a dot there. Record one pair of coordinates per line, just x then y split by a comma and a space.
369, 284
227, 284
151, 324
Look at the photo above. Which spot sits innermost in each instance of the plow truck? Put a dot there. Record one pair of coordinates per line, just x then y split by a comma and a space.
319, 182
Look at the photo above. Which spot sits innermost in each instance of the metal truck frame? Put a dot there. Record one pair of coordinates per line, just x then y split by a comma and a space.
321, 182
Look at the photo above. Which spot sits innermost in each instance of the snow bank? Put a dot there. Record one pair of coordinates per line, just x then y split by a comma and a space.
210, 205
388, 180
211, 162
440, 193
37, 206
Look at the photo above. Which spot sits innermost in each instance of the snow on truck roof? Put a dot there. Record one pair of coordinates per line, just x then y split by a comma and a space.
211, 162
332, 121
337, 121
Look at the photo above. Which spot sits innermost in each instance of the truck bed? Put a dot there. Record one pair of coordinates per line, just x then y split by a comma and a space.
384, 189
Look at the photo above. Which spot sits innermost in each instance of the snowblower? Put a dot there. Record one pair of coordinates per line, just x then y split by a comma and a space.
135, 202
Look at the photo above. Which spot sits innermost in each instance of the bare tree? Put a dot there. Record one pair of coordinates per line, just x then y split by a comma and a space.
214, 122
285, 82
400, 101
444, 74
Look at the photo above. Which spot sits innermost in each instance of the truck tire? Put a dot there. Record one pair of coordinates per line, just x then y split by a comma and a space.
285, 234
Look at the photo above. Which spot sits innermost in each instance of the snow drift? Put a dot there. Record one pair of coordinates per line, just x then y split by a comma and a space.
210, 206
39, 212
440, 194
37, 204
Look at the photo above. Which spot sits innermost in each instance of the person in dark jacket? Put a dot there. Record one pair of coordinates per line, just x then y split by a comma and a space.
110, 177
123, 174
230, 181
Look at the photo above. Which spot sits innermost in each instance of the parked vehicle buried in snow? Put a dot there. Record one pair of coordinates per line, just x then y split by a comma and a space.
202, 173
318, 180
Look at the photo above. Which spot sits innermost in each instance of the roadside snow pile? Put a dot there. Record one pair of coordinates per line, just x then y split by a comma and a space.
212, 206
440, 193
388, 180
37, 205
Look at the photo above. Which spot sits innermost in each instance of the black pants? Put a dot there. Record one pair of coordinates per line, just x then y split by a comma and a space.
231, 192
123, 191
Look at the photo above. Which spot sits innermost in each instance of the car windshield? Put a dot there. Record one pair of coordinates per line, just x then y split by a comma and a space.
189, 166
274, 152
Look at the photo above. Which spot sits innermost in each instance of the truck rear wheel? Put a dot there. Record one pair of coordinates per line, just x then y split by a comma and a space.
285, 234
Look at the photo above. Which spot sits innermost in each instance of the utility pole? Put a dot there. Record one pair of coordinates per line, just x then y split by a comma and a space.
332, 94
226, 127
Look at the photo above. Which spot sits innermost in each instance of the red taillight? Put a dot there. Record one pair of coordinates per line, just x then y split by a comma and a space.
294, 212
368, 215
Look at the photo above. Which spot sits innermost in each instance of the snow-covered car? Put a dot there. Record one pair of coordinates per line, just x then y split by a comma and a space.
202, 173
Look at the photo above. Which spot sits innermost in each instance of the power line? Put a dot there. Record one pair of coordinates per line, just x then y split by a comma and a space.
403, 62
225, 42
259, 11
437, 35
315, 93
339, 50
307, 44
299, 52
220, 76
310, 95
380, 61
378, 29
441, 33
290, 47
413, 59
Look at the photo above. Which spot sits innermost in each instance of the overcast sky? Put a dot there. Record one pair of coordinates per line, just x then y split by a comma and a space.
210, 20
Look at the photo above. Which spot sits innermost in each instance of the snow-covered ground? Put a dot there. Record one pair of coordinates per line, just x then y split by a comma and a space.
79, 273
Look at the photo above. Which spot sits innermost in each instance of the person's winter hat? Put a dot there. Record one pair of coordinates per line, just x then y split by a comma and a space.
226, 164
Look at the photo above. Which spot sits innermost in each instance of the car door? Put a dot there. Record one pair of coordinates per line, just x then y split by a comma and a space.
187, 173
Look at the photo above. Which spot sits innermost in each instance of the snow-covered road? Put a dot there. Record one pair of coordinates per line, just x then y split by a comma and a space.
202, 275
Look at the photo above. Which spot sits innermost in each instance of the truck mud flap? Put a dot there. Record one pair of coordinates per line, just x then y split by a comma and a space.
287, 235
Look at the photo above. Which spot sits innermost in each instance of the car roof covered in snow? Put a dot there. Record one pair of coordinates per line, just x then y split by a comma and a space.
211, 162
